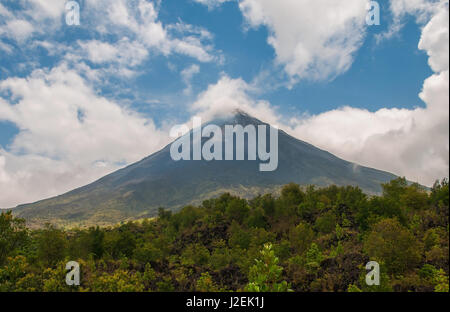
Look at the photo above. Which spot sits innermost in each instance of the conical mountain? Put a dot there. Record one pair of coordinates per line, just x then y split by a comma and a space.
138, 190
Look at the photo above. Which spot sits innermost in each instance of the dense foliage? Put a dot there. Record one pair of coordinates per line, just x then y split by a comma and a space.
307, 239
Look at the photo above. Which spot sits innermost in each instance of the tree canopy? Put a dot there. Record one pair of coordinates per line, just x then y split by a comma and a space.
306, 239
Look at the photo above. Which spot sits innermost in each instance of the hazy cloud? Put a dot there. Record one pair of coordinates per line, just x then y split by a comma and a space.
187, 74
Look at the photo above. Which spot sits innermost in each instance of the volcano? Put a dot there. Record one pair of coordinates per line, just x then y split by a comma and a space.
138, 190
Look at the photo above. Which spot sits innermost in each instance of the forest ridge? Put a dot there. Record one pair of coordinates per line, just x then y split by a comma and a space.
306, 239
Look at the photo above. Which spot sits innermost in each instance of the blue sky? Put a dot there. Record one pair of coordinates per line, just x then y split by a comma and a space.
198, 49
382, 75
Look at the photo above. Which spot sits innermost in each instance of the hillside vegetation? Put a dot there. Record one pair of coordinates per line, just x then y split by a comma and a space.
306, 239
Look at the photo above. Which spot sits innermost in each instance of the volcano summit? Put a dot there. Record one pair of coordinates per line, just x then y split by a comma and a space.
138, 190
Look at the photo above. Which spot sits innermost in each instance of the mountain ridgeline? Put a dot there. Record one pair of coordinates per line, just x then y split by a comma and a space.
138, 190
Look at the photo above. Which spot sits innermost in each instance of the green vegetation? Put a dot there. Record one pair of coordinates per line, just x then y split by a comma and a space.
303, 240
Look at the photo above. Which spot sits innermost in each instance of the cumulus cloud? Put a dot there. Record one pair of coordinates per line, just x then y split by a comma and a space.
69, 135
121, 34
422, 10
312, 39
435, 38
408, 142
228, 95
139, 21
119, 59
412, 143
34, 17
18, 29
45, 9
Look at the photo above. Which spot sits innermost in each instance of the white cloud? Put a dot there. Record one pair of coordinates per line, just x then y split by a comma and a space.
212, 3
229, 95
98, 51
312, 39
421, 9
122, 34
36, 17
138, 21
187, 74
434, 40
4, 12
45, 9
124, 52
413, 143
17, 29
134, 32
66, 131
7, 48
